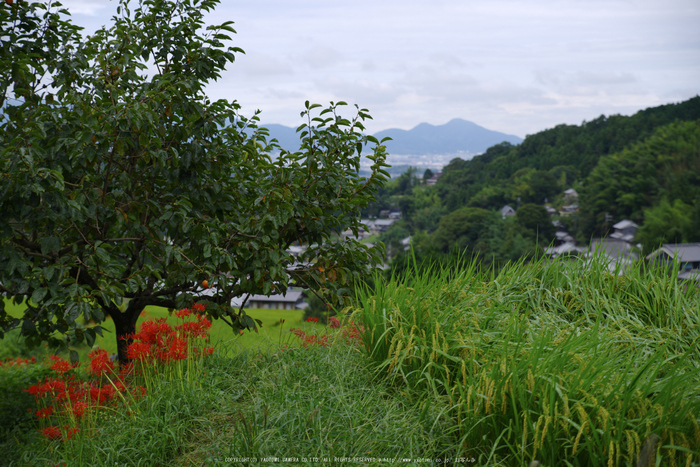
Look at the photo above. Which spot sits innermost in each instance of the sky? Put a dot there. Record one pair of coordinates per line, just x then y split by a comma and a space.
515, 66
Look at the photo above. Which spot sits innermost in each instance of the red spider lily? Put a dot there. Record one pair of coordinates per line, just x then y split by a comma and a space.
45, 413
100, 363
50, 386
60, 365
200, 328
155, 332
52, 433
79, 408
199, 308
311, 320
178, 349
17, 362
183, 313
101, 395
206, 351
139, 351
334, 322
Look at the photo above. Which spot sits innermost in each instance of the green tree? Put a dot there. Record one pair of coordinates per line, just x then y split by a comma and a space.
536, 219
459, 229
122, 187
666, 223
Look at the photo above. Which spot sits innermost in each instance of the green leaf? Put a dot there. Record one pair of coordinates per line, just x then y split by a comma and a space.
49, 244
39, 295
28, 327
74, 358
90, 337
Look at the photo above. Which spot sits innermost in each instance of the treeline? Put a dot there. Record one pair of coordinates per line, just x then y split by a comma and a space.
644, 167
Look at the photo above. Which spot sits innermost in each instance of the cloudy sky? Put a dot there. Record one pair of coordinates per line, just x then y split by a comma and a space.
516, 66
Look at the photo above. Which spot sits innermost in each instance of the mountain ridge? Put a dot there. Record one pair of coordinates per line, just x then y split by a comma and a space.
456, 136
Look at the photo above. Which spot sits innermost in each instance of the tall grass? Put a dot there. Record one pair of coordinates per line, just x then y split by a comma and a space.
564, 363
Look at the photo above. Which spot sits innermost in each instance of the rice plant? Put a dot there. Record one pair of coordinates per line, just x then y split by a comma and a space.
564, 363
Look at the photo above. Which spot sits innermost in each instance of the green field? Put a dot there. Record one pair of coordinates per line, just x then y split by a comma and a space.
269, 336
564, 364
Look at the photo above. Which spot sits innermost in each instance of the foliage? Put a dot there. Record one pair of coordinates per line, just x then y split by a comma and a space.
545, 361
666, 165
122, 183
536, 219
459, 228
667, 223
318, 309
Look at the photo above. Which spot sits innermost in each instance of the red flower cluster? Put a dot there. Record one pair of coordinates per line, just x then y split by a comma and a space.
19, 361
334, 322
307, 340
311, 320
160, 342
65, 397
60, 365
100, 364
54, 433
352, 334
71, 398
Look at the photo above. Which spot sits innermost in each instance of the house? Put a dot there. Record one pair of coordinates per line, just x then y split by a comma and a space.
290, 300
568, 210
361, 234
296, 250
568, 247
616, 252
687, 254
625, 230
406, 242
382, 225
551, 211
507, 211
688, 275
395, 214
562, 237
570, 196
433, 180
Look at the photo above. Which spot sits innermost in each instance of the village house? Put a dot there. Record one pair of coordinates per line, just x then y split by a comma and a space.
293, 299
618, 253
687, 254
507, 211
433, 180
625, 230
570, 196
382, 225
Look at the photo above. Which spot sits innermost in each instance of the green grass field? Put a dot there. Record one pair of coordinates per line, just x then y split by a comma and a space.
270, 335
564, 364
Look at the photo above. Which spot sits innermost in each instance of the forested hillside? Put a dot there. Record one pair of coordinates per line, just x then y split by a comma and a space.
655, 183
644, 167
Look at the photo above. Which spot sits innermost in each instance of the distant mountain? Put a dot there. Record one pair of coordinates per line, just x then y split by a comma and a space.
455, 136
287, 137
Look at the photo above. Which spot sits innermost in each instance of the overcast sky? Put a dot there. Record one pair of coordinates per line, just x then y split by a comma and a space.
517, 66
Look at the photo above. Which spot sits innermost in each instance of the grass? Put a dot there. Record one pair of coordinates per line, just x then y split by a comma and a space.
566, 364
268, 336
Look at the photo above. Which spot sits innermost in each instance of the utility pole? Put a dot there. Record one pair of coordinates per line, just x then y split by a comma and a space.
608, 218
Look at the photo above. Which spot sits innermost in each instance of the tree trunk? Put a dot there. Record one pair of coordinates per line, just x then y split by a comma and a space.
125, 327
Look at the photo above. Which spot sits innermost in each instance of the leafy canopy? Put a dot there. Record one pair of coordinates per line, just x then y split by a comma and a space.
122, 185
